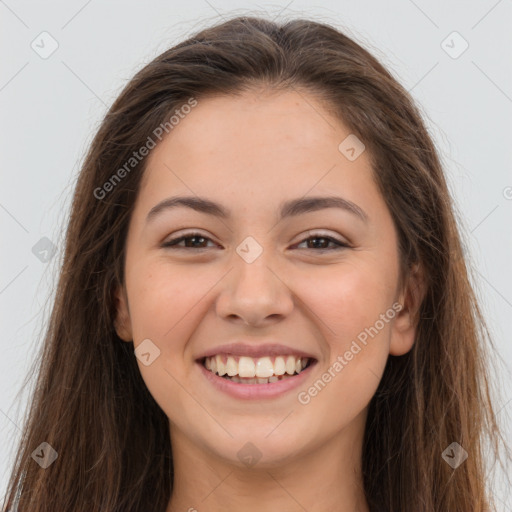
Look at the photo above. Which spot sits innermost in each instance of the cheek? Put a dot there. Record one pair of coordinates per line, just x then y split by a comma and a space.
163, 299
354, 306
352, 299
165, 303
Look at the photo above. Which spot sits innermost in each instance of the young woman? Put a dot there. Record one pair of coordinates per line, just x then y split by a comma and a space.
264, 302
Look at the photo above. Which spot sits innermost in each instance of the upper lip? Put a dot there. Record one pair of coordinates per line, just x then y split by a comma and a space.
253, 350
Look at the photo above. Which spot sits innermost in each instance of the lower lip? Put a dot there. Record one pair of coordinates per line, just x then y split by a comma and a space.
256, 391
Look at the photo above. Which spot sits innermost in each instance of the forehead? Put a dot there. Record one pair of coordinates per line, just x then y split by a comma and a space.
257, 146
255, 125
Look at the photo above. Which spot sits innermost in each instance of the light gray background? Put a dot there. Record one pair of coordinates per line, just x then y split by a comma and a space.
50, 109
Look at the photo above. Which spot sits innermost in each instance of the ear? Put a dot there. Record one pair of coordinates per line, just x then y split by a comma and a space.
122, 321
404, 327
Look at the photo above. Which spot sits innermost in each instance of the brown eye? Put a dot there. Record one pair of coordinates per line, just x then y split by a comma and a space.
321, 243
316, 242
197, 241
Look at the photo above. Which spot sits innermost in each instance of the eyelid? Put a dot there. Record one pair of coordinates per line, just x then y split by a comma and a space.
325, 234
340, 243
176, 238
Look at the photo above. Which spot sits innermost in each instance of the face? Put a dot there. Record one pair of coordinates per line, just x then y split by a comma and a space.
263, 284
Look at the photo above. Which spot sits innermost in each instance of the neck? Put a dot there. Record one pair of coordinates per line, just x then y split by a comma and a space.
327, 477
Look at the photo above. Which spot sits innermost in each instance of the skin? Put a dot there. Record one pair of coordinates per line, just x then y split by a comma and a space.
250, 153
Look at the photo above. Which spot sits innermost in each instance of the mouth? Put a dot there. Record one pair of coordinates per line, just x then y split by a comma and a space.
266, 370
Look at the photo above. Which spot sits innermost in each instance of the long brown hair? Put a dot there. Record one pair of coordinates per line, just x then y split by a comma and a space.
90, 403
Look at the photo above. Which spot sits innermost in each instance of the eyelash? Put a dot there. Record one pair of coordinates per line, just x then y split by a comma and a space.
174, 241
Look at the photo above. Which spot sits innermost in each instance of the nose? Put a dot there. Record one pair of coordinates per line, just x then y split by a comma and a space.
254, 293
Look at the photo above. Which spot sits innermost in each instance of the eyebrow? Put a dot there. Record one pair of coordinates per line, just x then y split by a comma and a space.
290, 208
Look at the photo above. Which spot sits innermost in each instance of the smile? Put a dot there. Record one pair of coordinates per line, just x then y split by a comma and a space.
249, 370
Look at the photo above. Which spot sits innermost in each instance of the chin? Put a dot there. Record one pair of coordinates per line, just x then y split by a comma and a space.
254, 449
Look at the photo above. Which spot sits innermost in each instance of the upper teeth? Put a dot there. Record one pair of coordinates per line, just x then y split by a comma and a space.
261, 367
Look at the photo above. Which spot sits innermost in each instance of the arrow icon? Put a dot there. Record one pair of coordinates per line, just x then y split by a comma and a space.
351, 147
44, 250
249, 253
147, 352
44, 44
454, 45
44, 455
249, 454
454, 455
